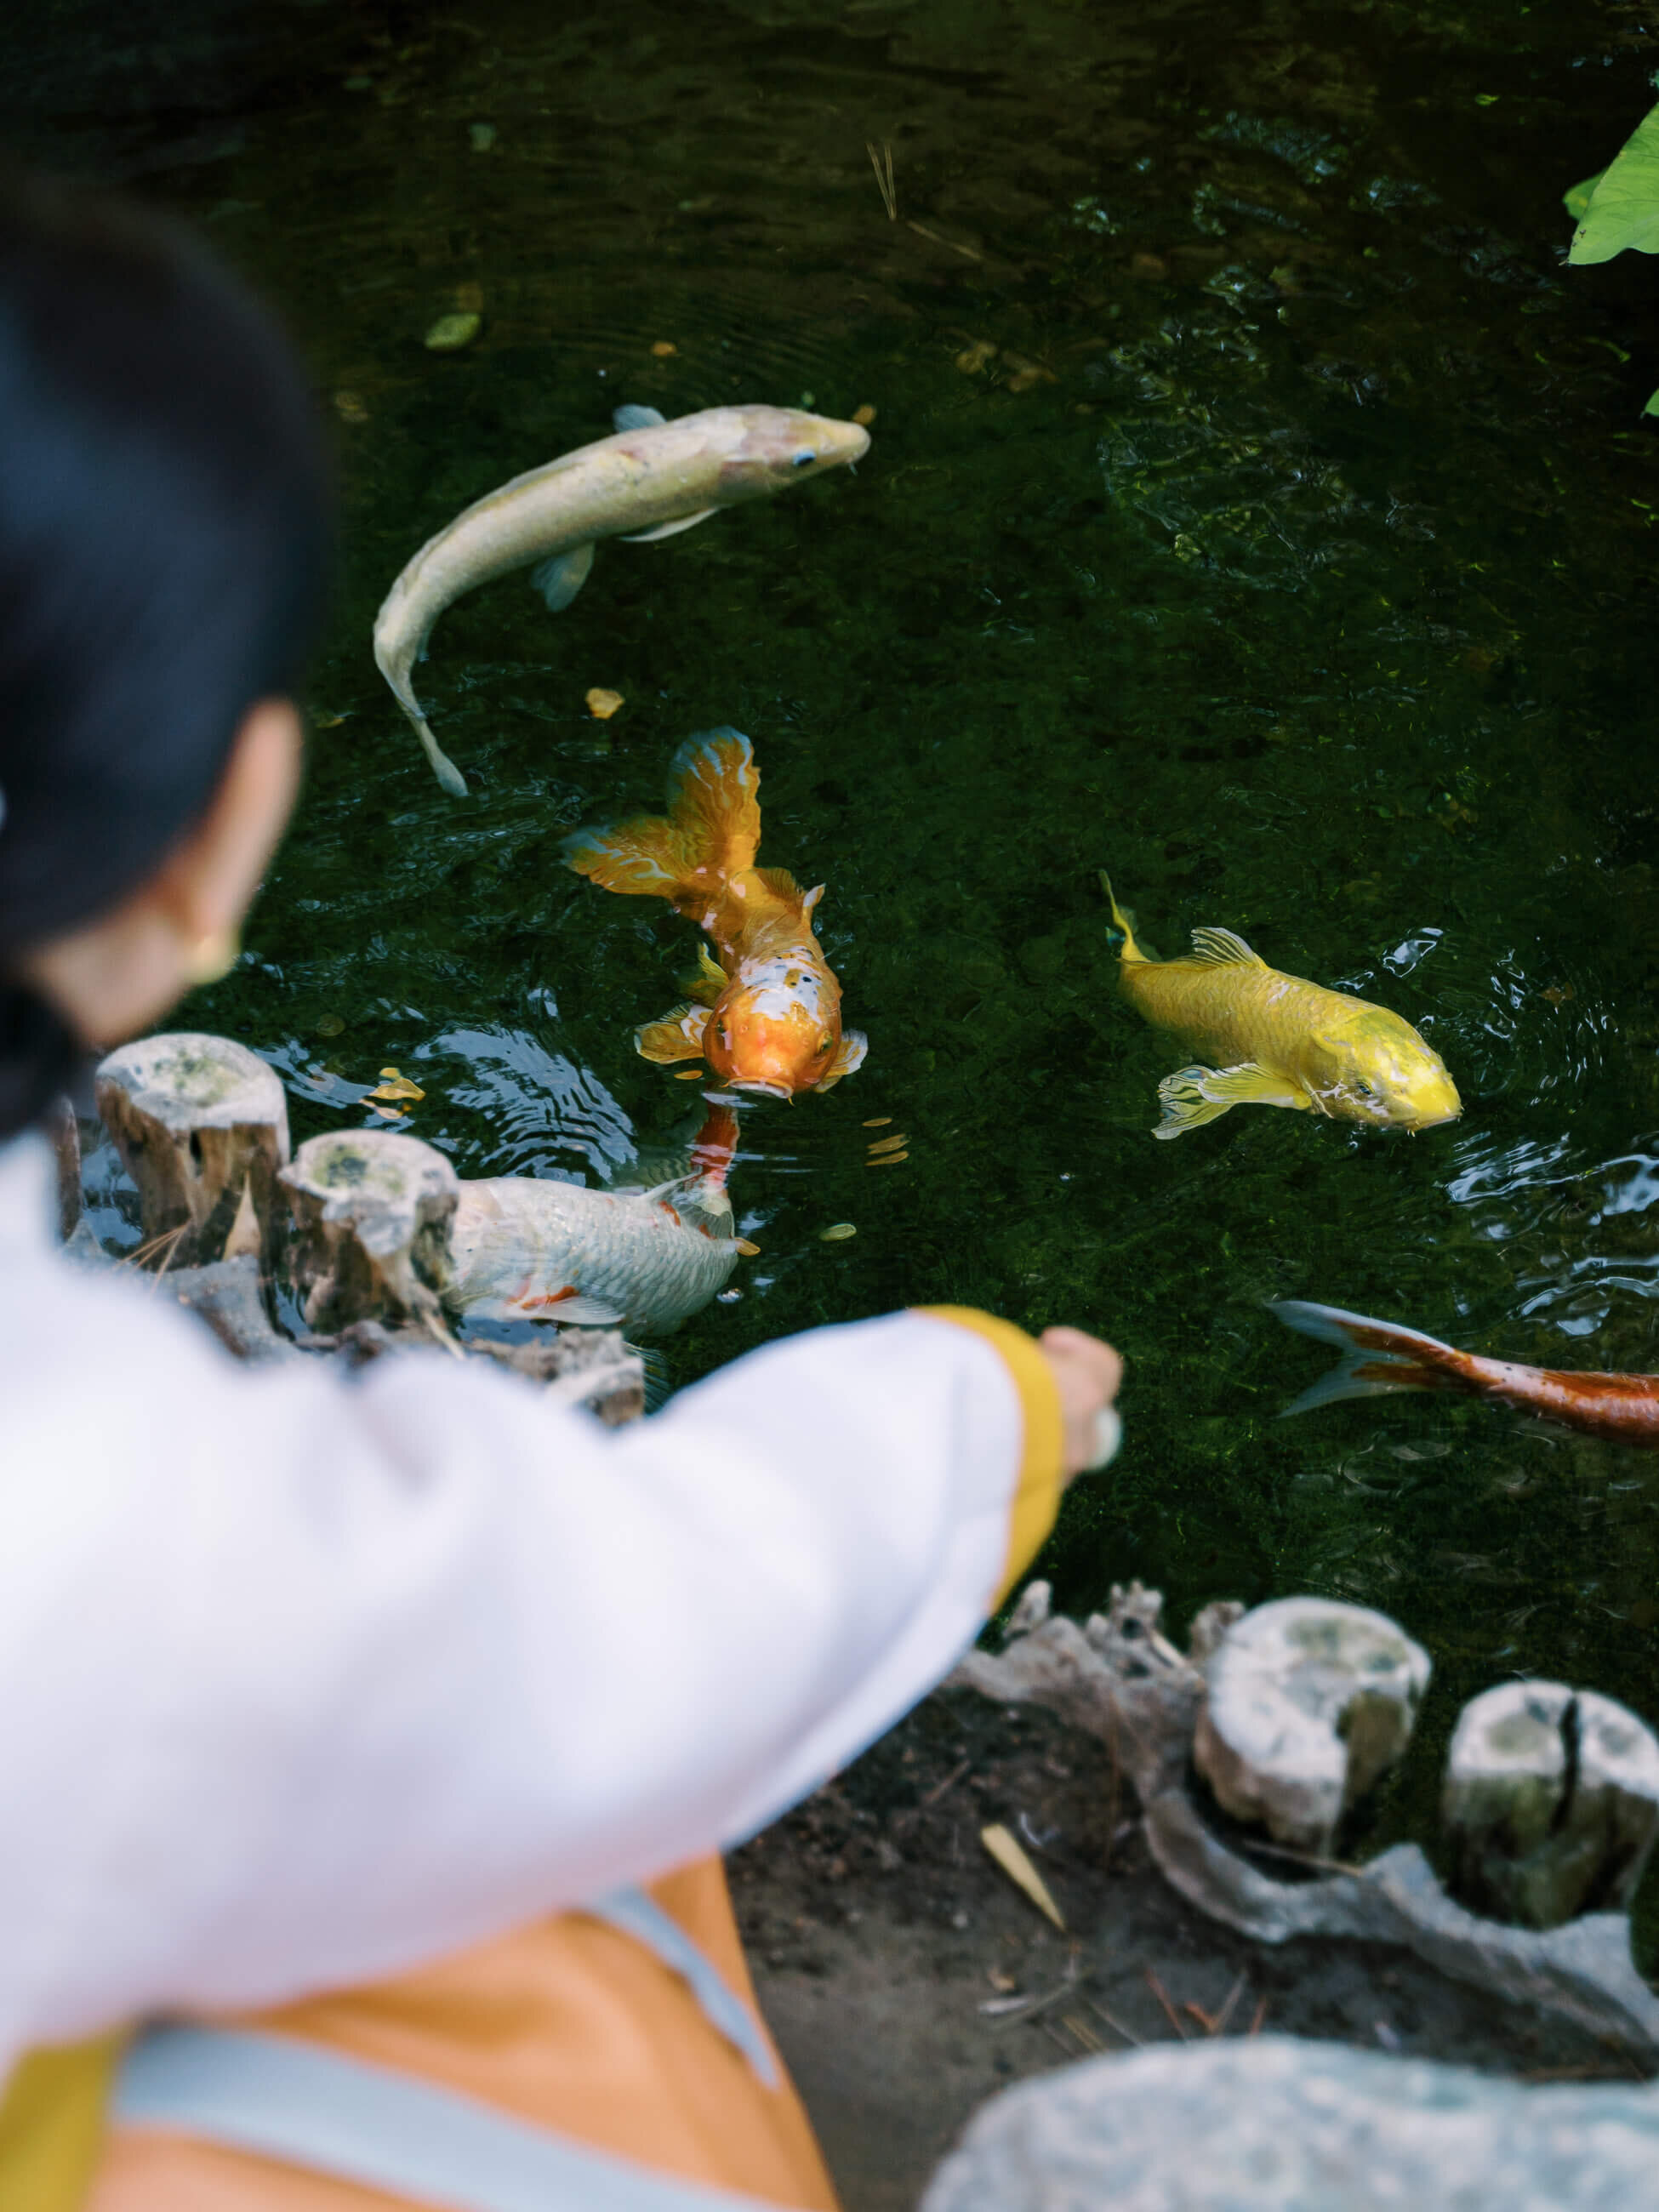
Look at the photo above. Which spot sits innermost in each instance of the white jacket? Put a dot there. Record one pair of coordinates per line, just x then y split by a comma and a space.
304, 1679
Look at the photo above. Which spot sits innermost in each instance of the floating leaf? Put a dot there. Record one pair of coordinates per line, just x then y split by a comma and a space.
602, 704
349, 407
864, 417
890, 1160
1624, 208
972, 358
482, 136
888, 1144
330, 1024
665, 349
687, 1075
451, 332
749, 1251
1652, 407
1011, 1856
878, 1121
837, 1232
1577, 197
393, 1085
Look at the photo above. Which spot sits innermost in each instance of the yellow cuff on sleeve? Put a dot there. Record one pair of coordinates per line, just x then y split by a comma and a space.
1037, 1495
51, 2124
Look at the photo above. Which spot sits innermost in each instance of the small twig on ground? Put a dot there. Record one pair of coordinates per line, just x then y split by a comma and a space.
933, 237
1074, 2024
1163, 1998
1255, 2027
167, 1241
1028, 2008
1226, 2011
1117, 2025
882, 162
949, 1781
1252, 1848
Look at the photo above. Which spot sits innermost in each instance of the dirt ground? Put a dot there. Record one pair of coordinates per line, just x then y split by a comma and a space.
879, 1930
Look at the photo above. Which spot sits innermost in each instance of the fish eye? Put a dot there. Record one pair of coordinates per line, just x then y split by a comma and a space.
805, 459
823, 1043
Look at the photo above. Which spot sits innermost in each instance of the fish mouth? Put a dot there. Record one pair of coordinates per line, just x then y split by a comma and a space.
756, 1086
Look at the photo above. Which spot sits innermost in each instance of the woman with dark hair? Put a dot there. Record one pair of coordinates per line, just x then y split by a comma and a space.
336, 1718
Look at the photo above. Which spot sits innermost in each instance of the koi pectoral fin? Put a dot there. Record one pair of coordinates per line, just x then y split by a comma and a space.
706, 980
678, 1035
1193, 1096
849, 1055
560, 577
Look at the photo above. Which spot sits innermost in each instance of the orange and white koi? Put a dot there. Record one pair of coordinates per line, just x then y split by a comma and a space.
766, 1014
1380, 1357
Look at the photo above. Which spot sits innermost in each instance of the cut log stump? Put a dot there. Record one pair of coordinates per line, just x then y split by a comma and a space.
1551, 1803
372, 1213
1306, 1703
201, 1124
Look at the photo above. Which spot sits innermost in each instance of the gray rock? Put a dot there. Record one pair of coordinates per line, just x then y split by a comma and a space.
1271, 2124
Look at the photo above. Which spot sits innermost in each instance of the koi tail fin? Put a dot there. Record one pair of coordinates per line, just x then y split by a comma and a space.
1121, 927
1379, 1356
709, 834
716, 1147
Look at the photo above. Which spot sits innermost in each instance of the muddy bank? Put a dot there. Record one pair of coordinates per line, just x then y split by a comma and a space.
878, 1929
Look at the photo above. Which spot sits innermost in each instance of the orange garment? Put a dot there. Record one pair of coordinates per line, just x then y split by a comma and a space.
568, 2024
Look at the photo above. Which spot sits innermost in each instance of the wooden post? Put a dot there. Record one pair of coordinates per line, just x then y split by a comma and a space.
201, 1124
1551, 1803
372, 1213
1306, 1703
63, 1133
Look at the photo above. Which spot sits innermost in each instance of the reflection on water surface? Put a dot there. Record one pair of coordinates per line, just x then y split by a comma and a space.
1257, 506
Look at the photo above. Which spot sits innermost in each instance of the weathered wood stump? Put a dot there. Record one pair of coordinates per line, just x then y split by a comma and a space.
1306, 1703
1551, 1803
63, 1134
201, 1124
372, 1213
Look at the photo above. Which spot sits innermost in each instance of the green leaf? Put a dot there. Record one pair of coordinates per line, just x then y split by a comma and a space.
1624, 208
1576, 199
1652, 407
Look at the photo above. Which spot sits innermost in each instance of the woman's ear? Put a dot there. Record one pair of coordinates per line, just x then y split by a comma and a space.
116, 975
207, 883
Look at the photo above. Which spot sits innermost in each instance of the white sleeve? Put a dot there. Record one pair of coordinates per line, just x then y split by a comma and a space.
303, 1680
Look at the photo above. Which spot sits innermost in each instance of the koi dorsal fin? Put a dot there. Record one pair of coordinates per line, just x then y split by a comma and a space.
1222, 949
780, 881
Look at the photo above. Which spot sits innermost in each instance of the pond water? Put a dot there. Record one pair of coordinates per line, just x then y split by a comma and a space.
1257, 506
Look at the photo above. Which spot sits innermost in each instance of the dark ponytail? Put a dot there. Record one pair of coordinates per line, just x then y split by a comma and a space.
164, 549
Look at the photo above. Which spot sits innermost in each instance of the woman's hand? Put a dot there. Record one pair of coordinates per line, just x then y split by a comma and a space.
1087, 1373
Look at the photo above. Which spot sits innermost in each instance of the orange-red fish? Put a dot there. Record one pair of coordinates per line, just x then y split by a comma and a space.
766, 1015
1382, 1357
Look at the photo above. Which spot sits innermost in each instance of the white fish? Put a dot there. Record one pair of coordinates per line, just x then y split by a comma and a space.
650, 479
523, 1250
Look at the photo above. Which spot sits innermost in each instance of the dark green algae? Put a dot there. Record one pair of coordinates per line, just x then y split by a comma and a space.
1307, 585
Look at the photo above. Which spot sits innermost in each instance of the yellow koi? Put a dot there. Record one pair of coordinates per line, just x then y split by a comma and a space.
1278, 1040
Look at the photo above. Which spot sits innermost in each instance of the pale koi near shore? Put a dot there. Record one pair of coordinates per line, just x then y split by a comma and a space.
766, 1014
1380, 1357
650, 479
